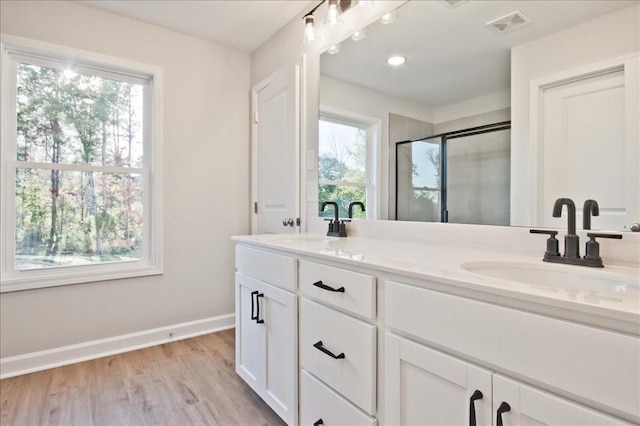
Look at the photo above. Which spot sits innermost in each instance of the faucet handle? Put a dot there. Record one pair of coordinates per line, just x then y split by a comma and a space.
552, 242
593, 248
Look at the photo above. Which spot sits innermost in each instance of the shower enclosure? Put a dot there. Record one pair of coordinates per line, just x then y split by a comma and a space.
460, 176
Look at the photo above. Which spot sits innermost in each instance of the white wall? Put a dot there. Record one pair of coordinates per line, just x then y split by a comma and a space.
206, 184
606, 37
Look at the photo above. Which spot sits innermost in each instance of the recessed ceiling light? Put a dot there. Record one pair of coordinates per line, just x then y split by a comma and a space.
396, 60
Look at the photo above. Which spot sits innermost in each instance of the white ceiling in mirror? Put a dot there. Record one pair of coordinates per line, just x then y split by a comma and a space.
450, 50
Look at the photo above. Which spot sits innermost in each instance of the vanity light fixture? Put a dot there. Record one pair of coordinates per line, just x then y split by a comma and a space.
334, 49
358, 35
396, 60
333, 13
389, 18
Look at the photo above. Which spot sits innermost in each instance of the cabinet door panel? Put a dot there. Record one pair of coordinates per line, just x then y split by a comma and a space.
533, 407
249, 335
280, 325
427, 387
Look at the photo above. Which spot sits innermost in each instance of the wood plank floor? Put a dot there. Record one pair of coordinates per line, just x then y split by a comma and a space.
188, 382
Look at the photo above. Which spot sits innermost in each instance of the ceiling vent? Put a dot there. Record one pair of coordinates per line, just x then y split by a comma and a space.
454, 3
511, 22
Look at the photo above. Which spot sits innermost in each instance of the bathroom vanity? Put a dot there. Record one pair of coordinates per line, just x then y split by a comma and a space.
379, 331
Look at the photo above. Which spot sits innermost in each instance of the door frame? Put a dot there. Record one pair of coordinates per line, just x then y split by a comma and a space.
299, 71
628, 64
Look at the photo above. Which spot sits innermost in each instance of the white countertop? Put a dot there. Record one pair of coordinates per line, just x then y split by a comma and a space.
619, 300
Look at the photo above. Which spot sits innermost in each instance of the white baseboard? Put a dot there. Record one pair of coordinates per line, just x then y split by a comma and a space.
50, 358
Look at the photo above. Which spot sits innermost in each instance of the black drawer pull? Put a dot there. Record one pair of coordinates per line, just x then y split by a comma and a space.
318, 422
258, 320
472, 407
321, 349
503, 408
326, 287
253, 305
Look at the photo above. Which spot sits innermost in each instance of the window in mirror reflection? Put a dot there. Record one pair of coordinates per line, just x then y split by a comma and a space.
344, 150
421, 164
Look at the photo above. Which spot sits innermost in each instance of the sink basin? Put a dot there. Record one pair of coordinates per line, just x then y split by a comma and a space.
556, 276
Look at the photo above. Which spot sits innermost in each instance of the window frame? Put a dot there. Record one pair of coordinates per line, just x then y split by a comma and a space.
15, 49
372, 129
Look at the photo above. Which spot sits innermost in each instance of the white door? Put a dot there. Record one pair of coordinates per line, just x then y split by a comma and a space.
276, 158
588, 149
427, 387
280, 318
523, 405
249, 335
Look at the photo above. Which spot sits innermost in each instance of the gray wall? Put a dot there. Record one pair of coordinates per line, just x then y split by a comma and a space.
206, 184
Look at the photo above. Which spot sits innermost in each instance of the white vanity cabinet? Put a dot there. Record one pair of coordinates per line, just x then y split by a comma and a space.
337, 348
426, 386
267, 328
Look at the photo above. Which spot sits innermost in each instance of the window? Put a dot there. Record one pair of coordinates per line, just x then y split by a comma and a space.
80, 156
345, 164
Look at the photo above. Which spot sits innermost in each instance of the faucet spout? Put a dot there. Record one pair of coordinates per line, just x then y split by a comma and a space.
571, 213
590, 209
571, 240
353, 204
336, 219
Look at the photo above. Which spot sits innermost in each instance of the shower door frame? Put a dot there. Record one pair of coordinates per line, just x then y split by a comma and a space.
444, 138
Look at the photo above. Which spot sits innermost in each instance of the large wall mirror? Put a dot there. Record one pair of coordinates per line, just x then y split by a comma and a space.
499, 108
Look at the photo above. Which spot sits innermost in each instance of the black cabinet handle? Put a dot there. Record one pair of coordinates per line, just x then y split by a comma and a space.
503, 408
318, 422
319, 347
258, 320
326, 287
253, 307
472, 407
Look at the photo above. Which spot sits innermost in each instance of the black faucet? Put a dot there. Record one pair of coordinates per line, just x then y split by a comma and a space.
571, 240
590, 208
336, 227
352, 204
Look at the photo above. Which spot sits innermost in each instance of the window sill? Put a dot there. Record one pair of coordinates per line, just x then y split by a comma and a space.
44, 281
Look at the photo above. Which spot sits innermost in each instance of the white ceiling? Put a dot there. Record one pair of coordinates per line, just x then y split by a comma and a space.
451, 55
241, 24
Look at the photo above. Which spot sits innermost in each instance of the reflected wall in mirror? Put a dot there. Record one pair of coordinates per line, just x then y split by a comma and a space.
461, 73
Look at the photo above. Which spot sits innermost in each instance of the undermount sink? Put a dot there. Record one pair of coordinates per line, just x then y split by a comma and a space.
297, 237
555, 276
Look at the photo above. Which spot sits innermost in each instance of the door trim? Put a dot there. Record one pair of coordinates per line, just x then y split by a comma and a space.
536, 111
254, 145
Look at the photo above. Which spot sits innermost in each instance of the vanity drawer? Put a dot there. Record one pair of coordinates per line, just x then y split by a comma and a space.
272, 268
354, 375
358, 297
317, 402
541, 349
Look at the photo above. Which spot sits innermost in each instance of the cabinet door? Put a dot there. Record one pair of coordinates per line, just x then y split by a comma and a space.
279, 311
249, 335
529, 406
427, 387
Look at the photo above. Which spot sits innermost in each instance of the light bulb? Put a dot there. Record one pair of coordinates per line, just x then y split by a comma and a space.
388, 17
333, 12
334, 49
358, 35
309, 29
